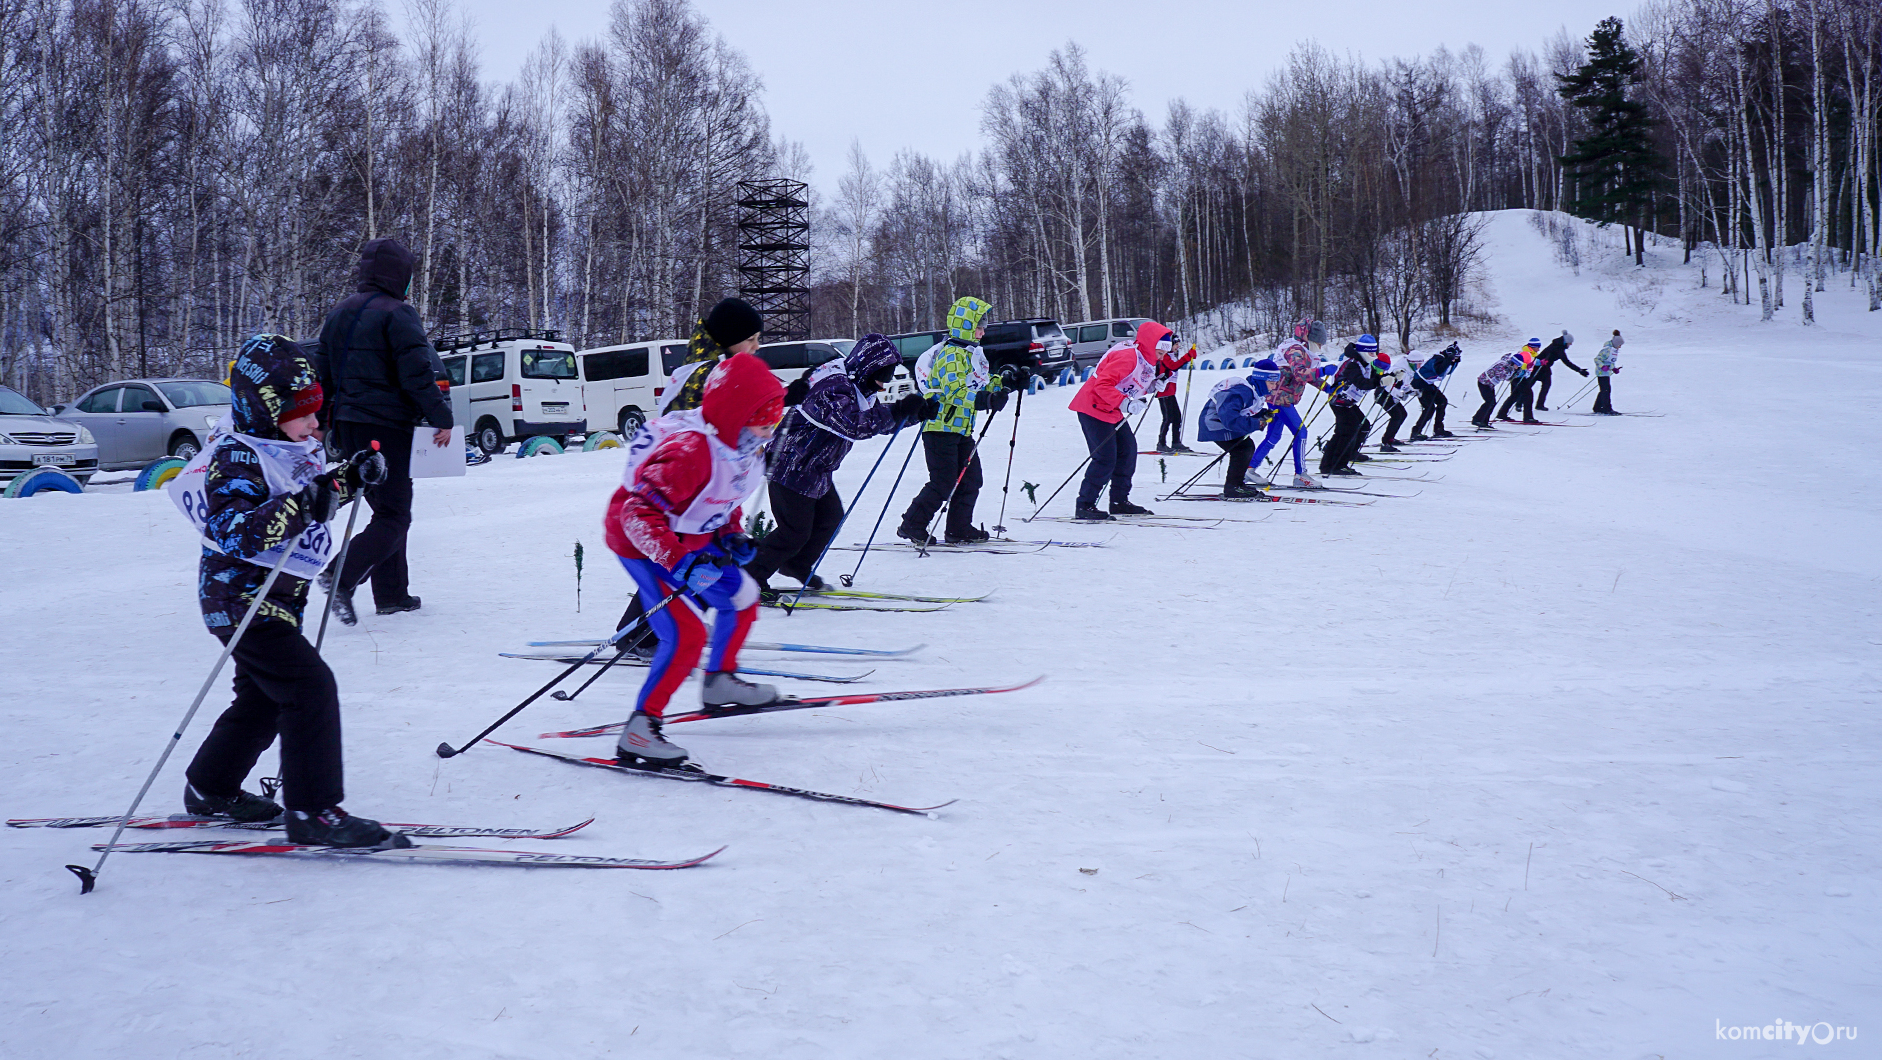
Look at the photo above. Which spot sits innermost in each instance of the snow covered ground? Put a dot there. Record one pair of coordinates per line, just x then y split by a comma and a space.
1573, 754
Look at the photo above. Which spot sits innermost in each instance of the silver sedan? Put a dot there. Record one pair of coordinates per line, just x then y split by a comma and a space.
30, 438
137, 421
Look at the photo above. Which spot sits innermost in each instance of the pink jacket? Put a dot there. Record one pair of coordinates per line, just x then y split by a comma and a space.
1102, 396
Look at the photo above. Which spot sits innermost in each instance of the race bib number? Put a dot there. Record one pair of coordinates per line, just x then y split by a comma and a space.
308, 553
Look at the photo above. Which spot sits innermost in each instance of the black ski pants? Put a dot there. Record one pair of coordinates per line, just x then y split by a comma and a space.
1431, 403
1394, 418
1172, 424
951, 458
282, 688
378, 552
1482, 418
1240, 451
1601, 398
804, 526
1340, 448
1520, 393
1540, 384
1113, 459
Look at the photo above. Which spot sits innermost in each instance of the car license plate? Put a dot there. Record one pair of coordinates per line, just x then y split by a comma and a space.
61, 459
554, 407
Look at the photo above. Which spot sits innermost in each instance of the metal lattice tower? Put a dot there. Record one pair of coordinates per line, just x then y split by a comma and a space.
774, 254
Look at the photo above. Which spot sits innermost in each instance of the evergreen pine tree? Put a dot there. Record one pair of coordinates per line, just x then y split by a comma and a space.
1615, 169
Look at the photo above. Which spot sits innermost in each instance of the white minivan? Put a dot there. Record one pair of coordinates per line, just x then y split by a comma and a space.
621, 384
512, 384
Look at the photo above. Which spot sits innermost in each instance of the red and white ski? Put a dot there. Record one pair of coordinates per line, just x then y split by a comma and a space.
184, 820
792, 703
433, 854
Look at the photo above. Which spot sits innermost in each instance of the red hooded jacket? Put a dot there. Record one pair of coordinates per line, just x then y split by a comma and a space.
681, 466
1100, 397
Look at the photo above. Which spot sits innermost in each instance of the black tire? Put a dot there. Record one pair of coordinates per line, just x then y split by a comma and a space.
185, 446
632, 420
490, 437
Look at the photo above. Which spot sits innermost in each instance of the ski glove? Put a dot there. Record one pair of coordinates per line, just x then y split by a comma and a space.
1583, 371
798, 390
366, 468
930, 408
319, 500
1133, 406
909, 409
990, 400
739, 548
702, 570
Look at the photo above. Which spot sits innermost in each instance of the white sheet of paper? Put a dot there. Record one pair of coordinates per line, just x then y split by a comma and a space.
437, 461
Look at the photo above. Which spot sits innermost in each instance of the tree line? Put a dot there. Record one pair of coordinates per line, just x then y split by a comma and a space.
178, 174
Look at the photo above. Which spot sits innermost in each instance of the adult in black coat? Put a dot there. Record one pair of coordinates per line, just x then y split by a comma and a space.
1556, 350
387, 378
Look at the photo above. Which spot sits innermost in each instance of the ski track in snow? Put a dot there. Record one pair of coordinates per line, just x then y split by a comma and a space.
1442, 763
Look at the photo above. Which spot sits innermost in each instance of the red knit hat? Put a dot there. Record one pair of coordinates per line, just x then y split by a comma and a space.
304, 403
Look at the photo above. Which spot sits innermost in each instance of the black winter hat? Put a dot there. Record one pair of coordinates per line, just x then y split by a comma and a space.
733, 321
386, 266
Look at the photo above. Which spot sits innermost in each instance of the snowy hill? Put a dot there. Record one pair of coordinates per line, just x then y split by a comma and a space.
1571, 754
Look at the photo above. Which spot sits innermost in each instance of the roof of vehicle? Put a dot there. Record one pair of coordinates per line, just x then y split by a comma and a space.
162, 379
1026, 320
470, 340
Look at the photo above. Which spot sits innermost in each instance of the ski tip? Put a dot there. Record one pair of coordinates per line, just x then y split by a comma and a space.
933, 812
574, 828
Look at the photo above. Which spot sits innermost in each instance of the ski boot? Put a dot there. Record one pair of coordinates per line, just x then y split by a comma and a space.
916, 535
1359, 458
1389, 447
1306, 482
1419, 438
724, 688
1442, 433
1242, 490
971, 535
1530, 420
1342, 472
1091, 514
410, 603
334, 827
815, 584
341, 601
1179, 447
241, 806
1127, 508
642, 746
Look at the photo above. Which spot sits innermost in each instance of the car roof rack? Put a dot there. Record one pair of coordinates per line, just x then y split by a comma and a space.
470, 340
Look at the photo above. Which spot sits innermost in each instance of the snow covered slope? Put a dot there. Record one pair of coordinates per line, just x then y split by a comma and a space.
1571, 755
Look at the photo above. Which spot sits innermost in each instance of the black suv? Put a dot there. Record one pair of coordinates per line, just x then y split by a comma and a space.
1036, 344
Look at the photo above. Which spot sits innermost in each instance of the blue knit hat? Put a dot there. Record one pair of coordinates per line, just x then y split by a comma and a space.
1368, 344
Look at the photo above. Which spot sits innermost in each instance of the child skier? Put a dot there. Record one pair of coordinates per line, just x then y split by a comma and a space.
1166, 401
1296, 367
1607, 363
1118, 389
1428, 380
1522, 382
1504, 367
676, 524
263, 489
842, 407
732, 326
1556, 350
1394, 391
1235, 410
1351, 380
958, 376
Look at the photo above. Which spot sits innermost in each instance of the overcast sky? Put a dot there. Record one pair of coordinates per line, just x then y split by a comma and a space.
900, 73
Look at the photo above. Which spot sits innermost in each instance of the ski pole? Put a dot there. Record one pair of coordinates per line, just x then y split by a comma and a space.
1193, 479
618, 656
850, 578
973, 453
88, 877
445, 750
1110, 441
886, 446
339, 562
339, 565
1585, 387
1012, 447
